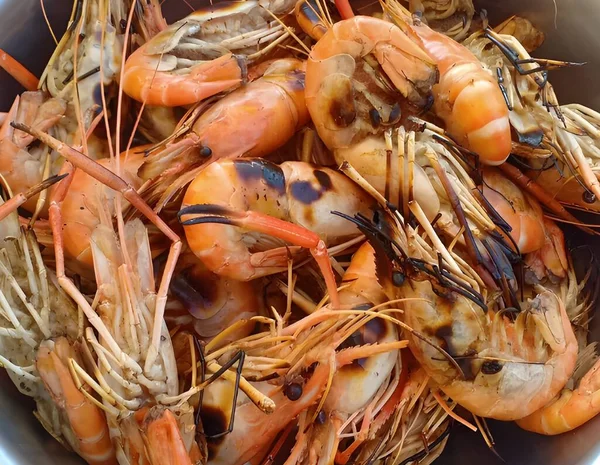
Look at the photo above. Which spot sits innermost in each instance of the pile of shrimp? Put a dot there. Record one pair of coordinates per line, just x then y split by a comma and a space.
282, 231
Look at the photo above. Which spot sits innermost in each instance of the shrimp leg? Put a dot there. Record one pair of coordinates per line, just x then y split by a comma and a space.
281, 229
15, 202
107, 177
18, 71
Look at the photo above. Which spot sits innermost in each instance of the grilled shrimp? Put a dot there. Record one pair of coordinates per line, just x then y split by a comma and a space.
577, 402
276, 101
355, 397
74, 88
489, 364
205, 53
467, 97
537, 237
300, 385
135, 372
240, 229
357, 74
39, 333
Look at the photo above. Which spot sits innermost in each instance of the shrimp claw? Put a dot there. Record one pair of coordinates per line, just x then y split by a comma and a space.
281, 229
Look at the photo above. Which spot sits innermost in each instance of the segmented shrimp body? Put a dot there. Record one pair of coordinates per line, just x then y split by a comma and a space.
205, 53
575, 405
501, 382
39, 334
276, 103
538, 238
357, 74
468, 98
248, 190
86, 420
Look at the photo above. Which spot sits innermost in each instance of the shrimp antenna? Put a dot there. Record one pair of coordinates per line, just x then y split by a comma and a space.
513, 56
393, 252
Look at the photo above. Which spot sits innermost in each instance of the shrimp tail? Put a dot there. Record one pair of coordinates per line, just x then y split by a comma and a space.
572, 407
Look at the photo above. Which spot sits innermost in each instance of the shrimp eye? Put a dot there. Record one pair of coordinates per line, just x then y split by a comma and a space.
205, 152
397, 278
293, 391
491, 367
589, 197
375, 118
321, 417
395, 114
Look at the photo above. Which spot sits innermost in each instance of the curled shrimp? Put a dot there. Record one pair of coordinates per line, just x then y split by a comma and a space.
304, 379
277, 102
493, 365
467, 97
289, 203
354, 405
205, 53
539, 238
357, 74
575, 404
39, 333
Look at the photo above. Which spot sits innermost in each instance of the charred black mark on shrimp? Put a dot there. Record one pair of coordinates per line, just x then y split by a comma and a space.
304, 191
445, 333
491, 367
257, 170
342, 109
373, 331
214, 422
